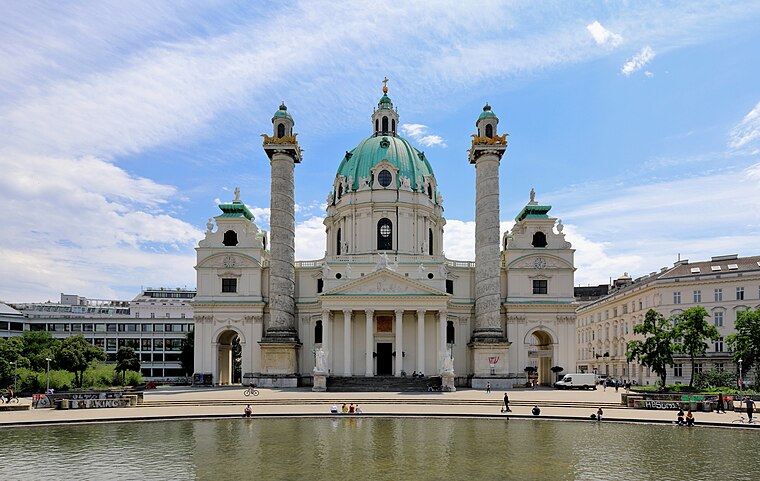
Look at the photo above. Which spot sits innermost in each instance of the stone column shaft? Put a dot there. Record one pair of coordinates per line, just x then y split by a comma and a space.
282, 249
399, 343
347, 338
421, 341
487, 255
442, 316
326, 331
369, 341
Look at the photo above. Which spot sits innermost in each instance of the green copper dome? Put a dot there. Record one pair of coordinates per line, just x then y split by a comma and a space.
398, 151
487, 113
385, 102
282, 112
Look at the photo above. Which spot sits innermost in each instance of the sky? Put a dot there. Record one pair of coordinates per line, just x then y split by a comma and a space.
124, 124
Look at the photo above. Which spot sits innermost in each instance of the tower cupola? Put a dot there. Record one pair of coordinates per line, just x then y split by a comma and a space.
385, 117
487, 122
282, 122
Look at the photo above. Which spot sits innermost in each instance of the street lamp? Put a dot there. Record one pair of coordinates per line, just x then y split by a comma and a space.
47, 375
741, 382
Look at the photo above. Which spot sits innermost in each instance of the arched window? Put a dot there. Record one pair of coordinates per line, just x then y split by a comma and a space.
230, 238
385, 125
264, 242
384, 235
318, 333
377, 125
430, 242
340, 191
450, 332
337, 241
393, 126
539, 239
505, 243
430, 191
281, 130
489, 130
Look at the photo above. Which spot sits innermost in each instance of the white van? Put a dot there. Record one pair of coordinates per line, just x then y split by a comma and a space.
578, 380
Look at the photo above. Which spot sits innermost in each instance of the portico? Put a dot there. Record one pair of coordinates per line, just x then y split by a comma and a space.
404, 330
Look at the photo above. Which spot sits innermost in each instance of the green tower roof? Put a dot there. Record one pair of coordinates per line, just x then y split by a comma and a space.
487, 113
533, 212
398, 151
235, 209
283, 112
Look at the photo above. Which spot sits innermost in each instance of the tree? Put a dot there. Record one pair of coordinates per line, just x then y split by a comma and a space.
126, 360
656, 350
38, 345
75, 355
691, 332
745, 344
10, 351
187, 357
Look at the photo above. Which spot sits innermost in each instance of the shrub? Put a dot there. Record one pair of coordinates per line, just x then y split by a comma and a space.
133, 378
715, 378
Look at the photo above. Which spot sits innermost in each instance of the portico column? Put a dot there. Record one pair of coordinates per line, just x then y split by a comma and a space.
347, 342
421, 341
399, 343
370, 347
441, 338
326, 334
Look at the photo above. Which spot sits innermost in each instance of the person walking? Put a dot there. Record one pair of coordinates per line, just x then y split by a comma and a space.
720, 407
488, 387
506, 404
750, 407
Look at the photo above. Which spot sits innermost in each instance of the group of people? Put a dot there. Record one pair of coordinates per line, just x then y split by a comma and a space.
688, 421
9, 394
346, 409
418, 374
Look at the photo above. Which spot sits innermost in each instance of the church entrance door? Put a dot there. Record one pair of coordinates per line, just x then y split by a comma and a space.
384, 359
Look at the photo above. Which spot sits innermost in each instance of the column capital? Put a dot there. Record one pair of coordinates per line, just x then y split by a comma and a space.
369, 312
399, 312
348, 312
421, 312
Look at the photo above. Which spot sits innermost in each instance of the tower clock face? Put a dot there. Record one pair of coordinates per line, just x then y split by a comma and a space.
229, 261
539, 263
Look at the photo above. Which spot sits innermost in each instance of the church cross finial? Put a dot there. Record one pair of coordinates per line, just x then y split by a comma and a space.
385, 85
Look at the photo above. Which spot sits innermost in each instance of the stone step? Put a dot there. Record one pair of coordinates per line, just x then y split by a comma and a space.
429, 401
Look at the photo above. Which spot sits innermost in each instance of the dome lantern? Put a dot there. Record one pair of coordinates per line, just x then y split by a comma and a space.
385, 118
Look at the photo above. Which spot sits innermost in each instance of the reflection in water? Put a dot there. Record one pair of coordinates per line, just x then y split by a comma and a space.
352, 448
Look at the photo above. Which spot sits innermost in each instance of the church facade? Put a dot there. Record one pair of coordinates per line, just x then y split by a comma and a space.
384, 302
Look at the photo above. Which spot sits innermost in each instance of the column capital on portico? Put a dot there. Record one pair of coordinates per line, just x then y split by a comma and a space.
421, 312
399, 312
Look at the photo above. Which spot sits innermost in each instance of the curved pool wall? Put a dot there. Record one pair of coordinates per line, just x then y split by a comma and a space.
357, 448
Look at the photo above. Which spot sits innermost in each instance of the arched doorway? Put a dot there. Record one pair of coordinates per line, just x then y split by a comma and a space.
541, 354
229, 358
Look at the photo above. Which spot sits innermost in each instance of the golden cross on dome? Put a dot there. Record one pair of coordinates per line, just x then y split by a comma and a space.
385, 85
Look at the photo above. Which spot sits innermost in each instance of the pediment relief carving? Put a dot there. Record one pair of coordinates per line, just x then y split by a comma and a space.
540, 262
229, 261
384, 282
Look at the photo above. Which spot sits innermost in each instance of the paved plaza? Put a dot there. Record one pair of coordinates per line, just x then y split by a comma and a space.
189, 403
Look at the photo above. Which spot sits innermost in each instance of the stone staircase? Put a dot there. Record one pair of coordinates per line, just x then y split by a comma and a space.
379, 384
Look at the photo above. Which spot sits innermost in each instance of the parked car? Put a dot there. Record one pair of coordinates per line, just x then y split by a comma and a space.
578, 380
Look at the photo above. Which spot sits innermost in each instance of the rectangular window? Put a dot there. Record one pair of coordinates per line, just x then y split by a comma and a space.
76, 328
678, 370
146, 327
719, 366
137, 315
718, 318
320, 285
697, 296
182, 316
100, 328
625, 308
168, 315
158, 344
449, 286
540, 286
110, 344
229, 285
99, 342
152, 315
718, 295
677, 297
739, 293
719, 345
614, 312
158, 328
697, 368
146, 345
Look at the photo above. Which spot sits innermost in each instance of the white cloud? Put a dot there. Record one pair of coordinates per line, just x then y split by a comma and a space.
638, 61
602, 36
747, 132
310, 239
459, 238
420, 133
648, 74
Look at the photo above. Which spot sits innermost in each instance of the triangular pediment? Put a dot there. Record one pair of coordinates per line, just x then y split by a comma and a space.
384, 282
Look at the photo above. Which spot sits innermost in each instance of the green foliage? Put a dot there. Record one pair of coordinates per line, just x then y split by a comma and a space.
715, 378
75, 354
10, 351
38, 345
126, 360
691, 332
187, 358
745, 344
657, 348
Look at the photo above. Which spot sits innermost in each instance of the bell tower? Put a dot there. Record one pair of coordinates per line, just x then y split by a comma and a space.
385, 117
488, 345
280, 343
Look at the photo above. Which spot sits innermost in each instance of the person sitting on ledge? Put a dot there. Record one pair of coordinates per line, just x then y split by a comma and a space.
414, 374
689, 418
599, 414
344, 409
334, 409
680, 421
351, 408
536, 410
358, 409
247, 411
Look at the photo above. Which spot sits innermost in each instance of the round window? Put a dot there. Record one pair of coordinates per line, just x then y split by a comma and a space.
385, 230
430, 275
384, 177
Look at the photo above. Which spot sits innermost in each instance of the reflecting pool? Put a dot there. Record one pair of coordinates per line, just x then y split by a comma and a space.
359, 448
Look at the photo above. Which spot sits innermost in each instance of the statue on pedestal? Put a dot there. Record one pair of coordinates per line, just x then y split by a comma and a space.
320, 361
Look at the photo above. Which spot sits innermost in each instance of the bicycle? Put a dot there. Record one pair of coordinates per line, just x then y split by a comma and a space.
743, 420
251, 391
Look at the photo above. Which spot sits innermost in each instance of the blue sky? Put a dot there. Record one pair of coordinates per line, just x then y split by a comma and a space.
123, 124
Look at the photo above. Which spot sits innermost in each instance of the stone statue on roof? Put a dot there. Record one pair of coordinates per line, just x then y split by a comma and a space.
237, 194
532, 195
